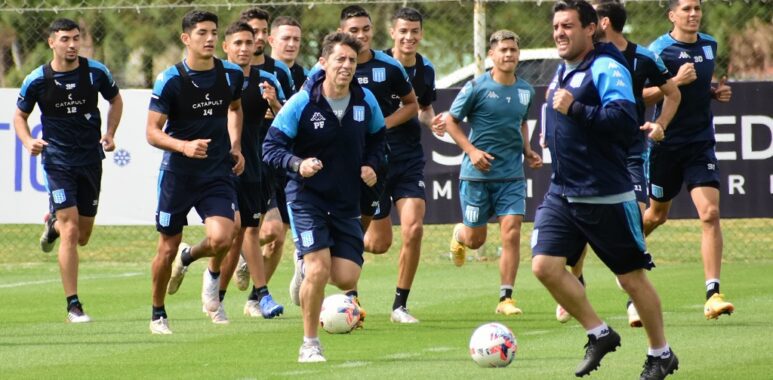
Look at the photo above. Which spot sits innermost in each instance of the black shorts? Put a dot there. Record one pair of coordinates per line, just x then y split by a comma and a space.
314, 229
638, 176
252, 203
70, 186
404, 179
693, 164
177, 194
614, 231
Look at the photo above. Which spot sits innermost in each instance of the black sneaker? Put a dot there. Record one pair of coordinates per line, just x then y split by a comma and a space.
595, 350
49, 235
659, 368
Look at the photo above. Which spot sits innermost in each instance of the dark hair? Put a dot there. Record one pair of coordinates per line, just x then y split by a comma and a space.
672, 4
194, 17
239, 26
614, 10
338, 38
408, 14
353, 11
285, 20
584, 10
63, 24
254, 13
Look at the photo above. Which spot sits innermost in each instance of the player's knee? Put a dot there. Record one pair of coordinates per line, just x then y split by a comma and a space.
317, 274
476, 241
83, 239
377, 246
544, 272
655, 217
220, 243
710, 215
413, 232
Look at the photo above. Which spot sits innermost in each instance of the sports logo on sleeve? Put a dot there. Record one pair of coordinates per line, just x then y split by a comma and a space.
524, 96
379, 74
358, 113
708, 53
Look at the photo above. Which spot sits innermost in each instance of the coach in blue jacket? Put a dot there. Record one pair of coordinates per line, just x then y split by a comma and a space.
329, 137
590, 122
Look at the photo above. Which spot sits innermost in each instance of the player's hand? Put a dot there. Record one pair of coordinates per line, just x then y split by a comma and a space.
534, 159
35, 146
723, 92
439, 124
309, 167
238, 159
481, 160
686, 74
562, 99
268, 92
368, 175
196, 148
107, 143
655, 131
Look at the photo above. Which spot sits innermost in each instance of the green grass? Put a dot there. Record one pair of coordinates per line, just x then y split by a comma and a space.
450, 301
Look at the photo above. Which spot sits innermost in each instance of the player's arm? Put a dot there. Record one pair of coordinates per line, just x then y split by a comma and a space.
114, 113
480, 159
375, 143
722, 92
277, 151
235, 120
426, 114
532, 158
156, 137
22, 128
408, 109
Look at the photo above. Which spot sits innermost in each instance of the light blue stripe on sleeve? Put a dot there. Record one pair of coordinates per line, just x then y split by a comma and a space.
612, 80
290, 115
633, 214
377, 120
35, 74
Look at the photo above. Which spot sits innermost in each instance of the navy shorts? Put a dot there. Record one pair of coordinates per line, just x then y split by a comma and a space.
404, 179
481, 200
614, 231
370, 196
252, 204
315, 229
278, 199
636, 169
693, 164
70, 186
177, 194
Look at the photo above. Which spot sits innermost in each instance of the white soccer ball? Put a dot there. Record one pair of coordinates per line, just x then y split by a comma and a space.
339, 314
493, 345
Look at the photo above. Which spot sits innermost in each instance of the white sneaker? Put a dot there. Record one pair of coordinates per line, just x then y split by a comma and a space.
218, 316
310, 353
633, 316
76, 315
401, 315
295, 283
242, 274
562, 315
178, 271
210, 292
160, 326
252, 309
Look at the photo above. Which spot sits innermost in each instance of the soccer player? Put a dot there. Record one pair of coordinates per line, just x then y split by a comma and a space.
261, 91
329, 137
591, 122
492, 182
647, 68
66, 90
258, 19
686, 155
285, 41
195, 116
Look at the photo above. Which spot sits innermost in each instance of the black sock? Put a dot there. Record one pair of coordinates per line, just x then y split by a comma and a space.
158, 313
582, 280
505, 293
72, 301
351, 294
401, 298
214, 275
186, 258
712, 289
257, 294
222, 295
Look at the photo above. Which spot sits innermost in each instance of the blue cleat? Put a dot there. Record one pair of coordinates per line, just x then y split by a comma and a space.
269, 308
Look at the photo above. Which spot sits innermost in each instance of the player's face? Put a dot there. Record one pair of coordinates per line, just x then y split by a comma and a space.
66, 44
359, 27
260, 27
340, 65
505, 55
239, 48
572, 40
286, 42
407, 35
202, 39
686, 16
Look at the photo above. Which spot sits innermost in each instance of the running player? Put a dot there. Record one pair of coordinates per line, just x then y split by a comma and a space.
492, 182
66, 90
196, 118
686, 155
329, 137
591, 122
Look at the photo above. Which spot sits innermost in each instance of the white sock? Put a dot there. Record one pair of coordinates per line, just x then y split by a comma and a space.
663, 352
710, 283
456, 235
312, 341
599, 331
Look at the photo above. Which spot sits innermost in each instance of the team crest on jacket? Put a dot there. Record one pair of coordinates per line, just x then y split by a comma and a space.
577, 80
358, 113
379, 74
708, 53
523, 96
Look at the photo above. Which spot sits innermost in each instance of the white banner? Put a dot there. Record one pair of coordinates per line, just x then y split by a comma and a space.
130, 173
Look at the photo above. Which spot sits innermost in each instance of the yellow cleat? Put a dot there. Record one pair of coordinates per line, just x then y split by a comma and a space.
716, 306
507, 307
458, 250
362, 313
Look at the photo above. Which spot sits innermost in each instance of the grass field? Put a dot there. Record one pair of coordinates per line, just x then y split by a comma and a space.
450, 301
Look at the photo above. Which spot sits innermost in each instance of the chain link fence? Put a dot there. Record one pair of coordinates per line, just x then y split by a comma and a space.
137, 39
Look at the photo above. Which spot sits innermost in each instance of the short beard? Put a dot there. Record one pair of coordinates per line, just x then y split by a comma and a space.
259, 51
71, 60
